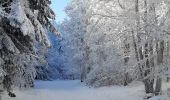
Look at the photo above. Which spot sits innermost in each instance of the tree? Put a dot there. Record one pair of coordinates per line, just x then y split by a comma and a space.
70, 49
134, 32
23, 25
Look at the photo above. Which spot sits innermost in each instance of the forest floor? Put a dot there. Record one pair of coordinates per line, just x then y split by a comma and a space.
75, 90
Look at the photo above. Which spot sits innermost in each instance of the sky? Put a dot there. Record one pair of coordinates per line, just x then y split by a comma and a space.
58, 7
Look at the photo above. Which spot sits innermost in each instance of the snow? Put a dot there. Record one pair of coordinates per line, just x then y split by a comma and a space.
75, 90
19, 19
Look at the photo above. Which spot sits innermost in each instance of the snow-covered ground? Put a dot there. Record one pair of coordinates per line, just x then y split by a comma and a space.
74, 90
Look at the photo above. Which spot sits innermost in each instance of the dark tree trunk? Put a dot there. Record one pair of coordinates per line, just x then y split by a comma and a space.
149, 64
158, 86
149, 85
159, 62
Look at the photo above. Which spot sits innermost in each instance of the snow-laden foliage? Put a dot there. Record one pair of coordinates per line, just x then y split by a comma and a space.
90, 47
129, 38
66, 54
53, 57
135, 32
59, 58
23, 26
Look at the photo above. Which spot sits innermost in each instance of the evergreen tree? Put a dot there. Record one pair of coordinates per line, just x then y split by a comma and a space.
23, 25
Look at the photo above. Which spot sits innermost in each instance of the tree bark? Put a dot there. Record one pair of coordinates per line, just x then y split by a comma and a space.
160, 52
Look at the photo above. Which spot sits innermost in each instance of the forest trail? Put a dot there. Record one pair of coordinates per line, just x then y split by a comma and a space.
75, 90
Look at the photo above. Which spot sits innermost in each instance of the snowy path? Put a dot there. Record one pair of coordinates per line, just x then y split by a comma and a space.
74, 90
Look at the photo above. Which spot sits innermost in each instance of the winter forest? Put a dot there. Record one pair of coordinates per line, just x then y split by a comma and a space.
103, 50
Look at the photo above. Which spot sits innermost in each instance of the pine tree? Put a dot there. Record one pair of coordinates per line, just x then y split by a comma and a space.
23, 25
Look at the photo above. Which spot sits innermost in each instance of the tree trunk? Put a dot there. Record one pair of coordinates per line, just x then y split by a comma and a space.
85, 64
158, 86
167, 61
160, 52
148, 80
83, 73
149, 86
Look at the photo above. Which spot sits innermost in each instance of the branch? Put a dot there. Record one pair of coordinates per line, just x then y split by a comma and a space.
121, 6
107, 16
